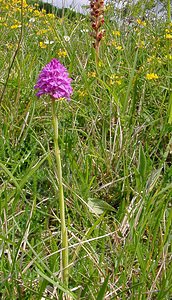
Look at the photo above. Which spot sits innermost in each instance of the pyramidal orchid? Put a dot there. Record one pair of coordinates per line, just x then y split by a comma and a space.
54, 81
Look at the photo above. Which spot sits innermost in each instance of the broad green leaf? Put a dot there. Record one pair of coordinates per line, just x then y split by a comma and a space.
152, 180
98, 206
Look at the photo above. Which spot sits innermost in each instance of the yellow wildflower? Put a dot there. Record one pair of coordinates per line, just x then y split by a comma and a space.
113, 43
41, 31
114, 78
140, 22
30, 9
141, 44
168, 36
169, 56
36, 13
51, 16
100, 64
42, 45
116, 32
151, 58
150, 76
118, 48
62, 53
15, 26
9, 45
118, 82
92, 74
24, 4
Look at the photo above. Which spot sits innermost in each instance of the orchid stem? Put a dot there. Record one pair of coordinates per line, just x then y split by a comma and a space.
64, 236
97, 56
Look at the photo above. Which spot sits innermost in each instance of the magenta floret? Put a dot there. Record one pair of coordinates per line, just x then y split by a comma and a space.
54, 80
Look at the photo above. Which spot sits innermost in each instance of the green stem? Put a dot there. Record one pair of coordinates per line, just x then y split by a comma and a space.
97, 56
168, 11
64, 237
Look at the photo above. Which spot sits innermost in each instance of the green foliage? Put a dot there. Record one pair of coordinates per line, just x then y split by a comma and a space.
115, 142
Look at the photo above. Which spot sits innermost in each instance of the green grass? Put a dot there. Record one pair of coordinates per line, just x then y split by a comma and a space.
116, 144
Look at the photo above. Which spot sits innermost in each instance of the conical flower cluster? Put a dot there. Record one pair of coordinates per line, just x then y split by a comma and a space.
54, 81
97, 19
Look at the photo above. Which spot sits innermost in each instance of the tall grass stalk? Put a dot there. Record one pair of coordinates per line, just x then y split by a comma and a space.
168, 11
64, 237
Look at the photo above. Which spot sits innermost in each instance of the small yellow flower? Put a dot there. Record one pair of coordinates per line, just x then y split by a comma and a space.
116, 33
24, 4
92, 74
30, 9
62, 53
9, 45
50, 16
113, 43
42, 45
151, 58
114, 76
4, 24
115, 79
100, 64
41, 32
118, 48
36, 13
168, 36
150, 76
118, 82
141, 44
169, 56
15, 26
141, 23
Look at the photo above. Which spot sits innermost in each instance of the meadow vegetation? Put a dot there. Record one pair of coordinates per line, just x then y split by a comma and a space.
116, 149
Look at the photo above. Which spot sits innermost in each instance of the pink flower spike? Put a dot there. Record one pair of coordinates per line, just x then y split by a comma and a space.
54, 80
